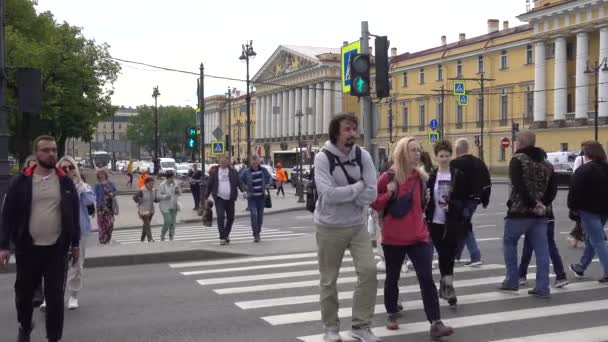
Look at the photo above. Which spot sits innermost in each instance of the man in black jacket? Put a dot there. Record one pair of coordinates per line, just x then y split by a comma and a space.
40, 216
195, 176
479, 187
223, 184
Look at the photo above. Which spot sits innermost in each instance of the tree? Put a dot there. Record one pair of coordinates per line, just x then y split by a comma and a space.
172, 124
77, 77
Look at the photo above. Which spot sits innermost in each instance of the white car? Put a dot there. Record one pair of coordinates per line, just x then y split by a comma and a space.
182, 170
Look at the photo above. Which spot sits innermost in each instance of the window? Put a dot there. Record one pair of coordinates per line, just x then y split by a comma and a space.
119, 125
421, 78
529, 103
421, 117
439, 72
563, 147
459, 68
502, 154
404, 118
569, 104
459, 110
570, 51
550, 50
504, 59
105, 137
504, 100
405, 79
480, 64
529, 54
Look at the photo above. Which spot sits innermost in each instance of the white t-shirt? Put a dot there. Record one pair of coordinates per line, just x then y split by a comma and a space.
442, 193
223, 189
578, 162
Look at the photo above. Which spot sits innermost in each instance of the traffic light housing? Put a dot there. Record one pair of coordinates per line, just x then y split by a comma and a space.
191, 138
382, 66
515, 129
359, 75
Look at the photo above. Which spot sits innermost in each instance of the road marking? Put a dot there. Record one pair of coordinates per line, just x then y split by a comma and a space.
341, 280
476, 298
282, 301
243, 260
279, 234
485, 226
488, 239
483, 319
582, 335
240, 279
184, 236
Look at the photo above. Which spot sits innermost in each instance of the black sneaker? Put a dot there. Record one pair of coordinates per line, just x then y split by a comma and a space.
604, 280
538, 294
227, 240
504, 287
24, 334
256, 239
576, 270
561, 282
223, 242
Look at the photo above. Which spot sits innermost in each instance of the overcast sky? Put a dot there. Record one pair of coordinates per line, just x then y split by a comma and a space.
183, 33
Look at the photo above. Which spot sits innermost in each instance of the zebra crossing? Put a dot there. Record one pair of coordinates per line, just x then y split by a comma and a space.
282, 291
241, 233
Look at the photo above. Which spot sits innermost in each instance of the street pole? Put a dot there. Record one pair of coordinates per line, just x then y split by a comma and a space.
442, 114
238, 141
113, 143
248, 123
155, 94
4, 134
229, 142
366, 110
481, 116
201, 106
595, 115
390, 120
300, 186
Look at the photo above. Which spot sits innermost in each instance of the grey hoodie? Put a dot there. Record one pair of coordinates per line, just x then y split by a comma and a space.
341, 204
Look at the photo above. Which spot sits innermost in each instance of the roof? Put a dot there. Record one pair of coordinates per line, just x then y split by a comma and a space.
553, 4
312, 52
459, 44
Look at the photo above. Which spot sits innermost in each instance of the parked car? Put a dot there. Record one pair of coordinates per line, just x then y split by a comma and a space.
167, 164
563, 174
182, 170
296, 173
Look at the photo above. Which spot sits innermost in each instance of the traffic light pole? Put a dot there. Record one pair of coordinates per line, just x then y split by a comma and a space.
201, 106
4, 134
366, 110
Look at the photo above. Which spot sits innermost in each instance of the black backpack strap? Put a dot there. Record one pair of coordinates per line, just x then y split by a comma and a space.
358, 159
331, 158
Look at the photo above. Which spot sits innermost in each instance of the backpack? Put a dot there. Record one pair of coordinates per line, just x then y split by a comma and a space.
312, 195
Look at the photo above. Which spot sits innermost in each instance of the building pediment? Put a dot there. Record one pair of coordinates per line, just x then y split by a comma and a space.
290, 59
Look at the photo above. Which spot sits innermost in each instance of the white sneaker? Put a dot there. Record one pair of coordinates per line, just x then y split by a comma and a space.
43, 306
435, 264
409, 265
381, 266
73, 303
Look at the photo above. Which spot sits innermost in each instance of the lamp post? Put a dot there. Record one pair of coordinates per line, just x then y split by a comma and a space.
603, 66
300, 185
246, 54
239, 124
229, 142
113, 143
155, 95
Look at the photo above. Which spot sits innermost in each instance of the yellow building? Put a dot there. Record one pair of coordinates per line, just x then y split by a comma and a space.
534, 76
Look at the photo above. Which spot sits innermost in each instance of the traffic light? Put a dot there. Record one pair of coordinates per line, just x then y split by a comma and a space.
382, 65
515, 128
359, 75
191, 137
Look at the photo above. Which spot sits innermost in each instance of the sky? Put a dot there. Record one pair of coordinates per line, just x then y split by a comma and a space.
181, 34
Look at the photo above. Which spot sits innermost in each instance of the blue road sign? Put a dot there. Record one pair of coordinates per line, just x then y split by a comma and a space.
434, 136
463, 100
459, 88
434, 124
217, 147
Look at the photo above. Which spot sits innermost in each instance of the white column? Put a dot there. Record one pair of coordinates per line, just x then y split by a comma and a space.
603, 75
319, 109
291, 112
337, 98
268, 116
297, 111
258, 110
305, 110
279, 116
273, 117
540, 104
582, 79
312, 104
285, 114
560, 95
327, 114
261, 119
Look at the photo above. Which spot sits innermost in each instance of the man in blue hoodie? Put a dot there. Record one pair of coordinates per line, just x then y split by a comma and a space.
345, 192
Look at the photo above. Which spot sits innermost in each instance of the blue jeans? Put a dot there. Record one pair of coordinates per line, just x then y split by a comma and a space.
256, 209
536, 230
593, 225
469, 209
526, 254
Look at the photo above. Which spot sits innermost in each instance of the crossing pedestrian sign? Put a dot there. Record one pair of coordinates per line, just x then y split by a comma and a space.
459, 88
347, 52
463, 100
217, 147
434, 136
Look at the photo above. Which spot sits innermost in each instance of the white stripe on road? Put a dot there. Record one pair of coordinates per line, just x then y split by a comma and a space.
243, 260
240, 279
594, 334
282, 301
485, 226
249, 237
475, 298
483, 319
263, 240
488, 239
341, 280
204, 235
178, 230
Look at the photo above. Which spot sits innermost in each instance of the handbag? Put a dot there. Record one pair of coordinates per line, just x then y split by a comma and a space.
267, 199
400, 206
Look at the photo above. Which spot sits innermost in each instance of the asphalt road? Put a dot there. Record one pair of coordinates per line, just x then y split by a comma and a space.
274, 297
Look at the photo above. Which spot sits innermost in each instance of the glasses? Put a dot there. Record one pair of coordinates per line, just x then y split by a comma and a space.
67, 168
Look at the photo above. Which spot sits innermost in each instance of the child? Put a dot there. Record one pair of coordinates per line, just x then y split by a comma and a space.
145, 199
207, 213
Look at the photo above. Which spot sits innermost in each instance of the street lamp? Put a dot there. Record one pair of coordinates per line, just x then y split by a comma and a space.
239, 124
229, 138
603, 66
246, 54
155, 95
300, 184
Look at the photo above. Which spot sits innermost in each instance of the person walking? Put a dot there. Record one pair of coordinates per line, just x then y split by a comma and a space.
168, 194
256, 180
40, 216
588, 198
577, 236
281, 179
401, 195
107, 206
195, 176
345, 191
533, 188
445, 216
130, 174
223, 184
145, 200
479, 186
142, 179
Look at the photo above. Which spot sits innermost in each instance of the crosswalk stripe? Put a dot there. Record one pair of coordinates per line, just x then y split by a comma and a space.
484, 319
248, 237
205, 235
282, 301
199, 230
263, 240
475, 298
341, 280
240, 279
594, 334
243, 260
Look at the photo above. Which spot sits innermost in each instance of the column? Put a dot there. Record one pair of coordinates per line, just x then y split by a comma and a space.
560, 95
261, 119
291, 112
285, 114
312, 104
305, 110
268, 117
273, 117
337, 98
279, 116
258, 110
540, 104
327, 95
319, 109
298, 110
582, 79
603, 76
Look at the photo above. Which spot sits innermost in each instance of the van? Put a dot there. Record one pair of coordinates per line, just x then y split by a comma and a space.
167, 164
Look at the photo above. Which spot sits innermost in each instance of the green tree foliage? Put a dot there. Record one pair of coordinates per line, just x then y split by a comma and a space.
77, 77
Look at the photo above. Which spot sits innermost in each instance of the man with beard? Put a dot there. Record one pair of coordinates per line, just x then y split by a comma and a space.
41, 217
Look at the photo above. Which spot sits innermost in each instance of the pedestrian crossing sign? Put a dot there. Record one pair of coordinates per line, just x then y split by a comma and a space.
459, 88
433, 136
217, 147
463, 100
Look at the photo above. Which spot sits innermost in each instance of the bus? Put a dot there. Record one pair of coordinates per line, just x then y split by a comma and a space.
100, 159
290, 159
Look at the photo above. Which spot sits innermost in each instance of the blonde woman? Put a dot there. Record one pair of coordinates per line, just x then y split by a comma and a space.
402, 197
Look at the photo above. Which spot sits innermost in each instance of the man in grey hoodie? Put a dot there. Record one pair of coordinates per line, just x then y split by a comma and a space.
345, 193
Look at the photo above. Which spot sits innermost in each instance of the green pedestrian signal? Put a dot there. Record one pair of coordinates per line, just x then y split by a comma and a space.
191, 137
359, 74
191, 143
192, 131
